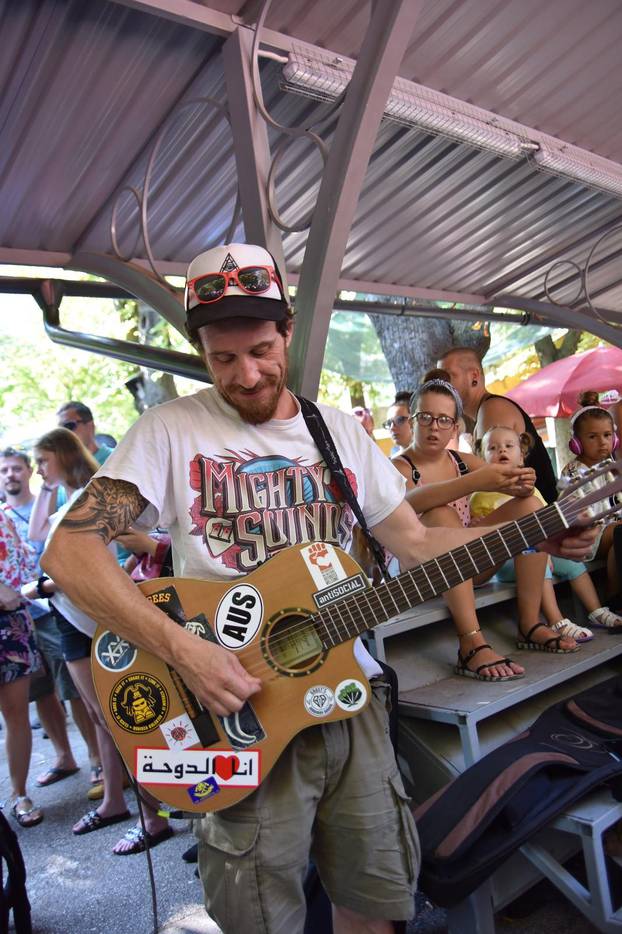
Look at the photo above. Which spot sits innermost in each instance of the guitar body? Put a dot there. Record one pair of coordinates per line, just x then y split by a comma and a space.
196, 761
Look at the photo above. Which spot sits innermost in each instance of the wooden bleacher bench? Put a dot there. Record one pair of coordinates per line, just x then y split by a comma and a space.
448, 722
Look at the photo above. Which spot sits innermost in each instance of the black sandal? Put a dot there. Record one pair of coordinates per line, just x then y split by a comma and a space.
464, 671
549, 645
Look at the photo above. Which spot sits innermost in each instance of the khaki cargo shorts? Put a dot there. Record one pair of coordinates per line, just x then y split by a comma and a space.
335, 796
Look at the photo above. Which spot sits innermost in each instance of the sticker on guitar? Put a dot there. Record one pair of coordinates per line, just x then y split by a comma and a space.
239, 616
323, 563
191, 766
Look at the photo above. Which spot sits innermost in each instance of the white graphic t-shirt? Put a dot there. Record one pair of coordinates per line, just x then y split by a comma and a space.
232, 495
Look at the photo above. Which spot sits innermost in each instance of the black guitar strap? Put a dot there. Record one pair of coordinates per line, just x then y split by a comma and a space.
323, 439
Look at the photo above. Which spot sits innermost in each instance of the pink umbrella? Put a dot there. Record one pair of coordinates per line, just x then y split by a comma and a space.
554, 390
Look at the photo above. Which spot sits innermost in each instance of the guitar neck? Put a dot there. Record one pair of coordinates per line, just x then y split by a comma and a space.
352, 616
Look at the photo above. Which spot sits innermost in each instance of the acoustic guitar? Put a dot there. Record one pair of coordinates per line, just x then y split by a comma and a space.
292, 623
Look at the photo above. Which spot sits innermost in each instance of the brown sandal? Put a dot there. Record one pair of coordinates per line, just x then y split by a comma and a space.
549, 645
25, 812
466, 672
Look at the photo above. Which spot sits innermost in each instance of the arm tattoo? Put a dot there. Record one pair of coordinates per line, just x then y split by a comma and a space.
106, 507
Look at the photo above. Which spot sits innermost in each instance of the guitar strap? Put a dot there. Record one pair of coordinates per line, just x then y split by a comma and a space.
324, 441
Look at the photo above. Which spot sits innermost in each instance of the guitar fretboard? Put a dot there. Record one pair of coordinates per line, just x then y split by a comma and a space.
354, 615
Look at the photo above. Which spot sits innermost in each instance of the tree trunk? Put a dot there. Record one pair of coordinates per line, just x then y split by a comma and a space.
150, 387
413, 345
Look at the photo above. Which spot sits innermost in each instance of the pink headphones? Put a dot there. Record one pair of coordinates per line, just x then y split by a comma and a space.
575, 444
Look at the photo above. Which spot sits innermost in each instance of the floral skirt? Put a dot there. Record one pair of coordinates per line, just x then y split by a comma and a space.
19, 655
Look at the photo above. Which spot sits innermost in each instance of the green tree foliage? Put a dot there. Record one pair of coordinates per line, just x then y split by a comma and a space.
42, 375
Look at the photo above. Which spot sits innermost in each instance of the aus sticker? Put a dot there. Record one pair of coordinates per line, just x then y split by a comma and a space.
239, 616
319, 700
351, 694
179, 732
323, 563
114, 653
203, 790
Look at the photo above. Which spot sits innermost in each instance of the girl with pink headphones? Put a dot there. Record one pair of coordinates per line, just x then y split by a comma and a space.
594, 440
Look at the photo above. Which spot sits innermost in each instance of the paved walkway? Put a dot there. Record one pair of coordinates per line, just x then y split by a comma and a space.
77, 886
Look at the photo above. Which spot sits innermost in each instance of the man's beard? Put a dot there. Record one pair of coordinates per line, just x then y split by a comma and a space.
254, 411
13, 487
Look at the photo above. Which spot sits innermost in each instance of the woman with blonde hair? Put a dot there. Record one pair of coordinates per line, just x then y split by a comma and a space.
62, 459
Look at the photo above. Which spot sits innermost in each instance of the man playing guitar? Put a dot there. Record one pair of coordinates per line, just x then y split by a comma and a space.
235, 477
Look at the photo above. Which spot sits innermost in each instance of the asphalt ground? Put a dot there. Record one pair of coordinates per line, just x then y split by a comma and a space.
77, 886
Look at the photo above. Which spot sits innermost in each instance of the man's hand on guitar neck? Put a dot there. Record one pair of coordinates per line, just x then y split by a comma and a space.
213, 674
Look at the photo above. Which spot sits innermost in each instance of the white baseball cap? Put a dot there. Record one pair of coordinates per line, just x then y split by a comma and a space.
263, 298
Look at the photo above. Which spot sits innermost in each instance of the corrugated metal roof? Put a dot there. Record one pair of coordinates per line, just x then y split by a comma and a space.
85, 85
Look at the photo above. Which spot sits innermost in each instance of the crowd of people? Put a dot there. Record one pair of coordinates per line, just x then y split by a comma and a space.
47, 657
470, 458
235, 473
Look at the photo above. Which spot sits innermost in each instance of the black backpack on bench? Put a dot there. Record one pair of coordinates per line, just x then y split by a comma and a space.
469, 827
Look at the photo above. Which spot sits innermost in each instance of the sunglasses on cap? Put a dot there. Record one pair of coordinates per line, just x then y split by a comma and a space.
211, 286
398, 421
72, 423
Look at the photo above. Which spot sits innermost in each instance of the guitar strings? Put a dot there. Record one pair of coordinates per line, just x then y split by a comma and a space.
504, 543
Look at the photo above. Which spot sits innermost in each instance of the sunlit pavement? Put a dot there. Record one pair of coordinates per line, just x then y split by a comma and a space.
75, 883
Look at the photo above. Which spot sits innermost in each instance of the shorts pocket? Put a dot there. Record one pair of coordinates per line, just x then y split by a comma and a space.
228, 867
410, 837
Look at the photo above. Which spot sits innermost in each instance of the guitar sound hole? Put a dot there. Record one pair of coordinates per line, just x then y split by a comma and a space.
292, 645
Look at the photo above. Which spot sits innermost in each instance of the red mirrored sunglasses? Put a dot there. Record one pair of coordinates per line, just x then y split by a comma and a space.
211, 286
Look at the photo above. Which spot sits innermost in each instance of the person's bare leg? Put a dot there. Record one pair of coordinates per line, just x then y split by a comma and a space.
53, 721
86, 727
583, 587
461, 603
18, 741
350, 922
550, 607
530, 570
113, 801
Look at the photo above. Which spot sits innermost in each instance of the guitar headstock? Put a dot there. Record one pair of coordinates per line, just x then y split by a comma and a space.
594, 495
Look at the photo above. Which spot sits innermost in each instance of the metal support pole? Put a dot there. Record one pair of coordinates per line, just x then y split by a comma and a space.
563, 317
251, 146
388, 35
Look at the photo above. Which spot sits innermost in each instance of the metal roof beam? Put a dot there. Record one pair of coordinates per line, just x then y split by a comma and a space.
140, 283
386, 39
564, 317
251, 146
191, 13
49, 293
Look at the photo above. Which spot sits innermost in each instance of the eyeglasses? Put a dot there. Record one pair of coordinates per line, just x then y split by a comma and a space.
72, 423
426, 419
398, 421
251, 279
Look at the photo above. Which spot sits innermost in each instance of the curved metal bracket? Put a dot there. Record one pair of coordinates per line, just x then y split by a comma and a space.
49, 294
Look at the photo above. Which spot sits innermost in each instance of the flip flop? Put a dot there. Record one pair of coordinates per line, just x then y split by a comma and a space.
55, 775
139, 840
25, 812
94, 821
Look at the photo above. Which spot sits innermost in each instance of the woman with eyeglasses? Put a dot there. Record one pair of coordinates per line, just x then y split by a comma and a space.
440, 482
398, 422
